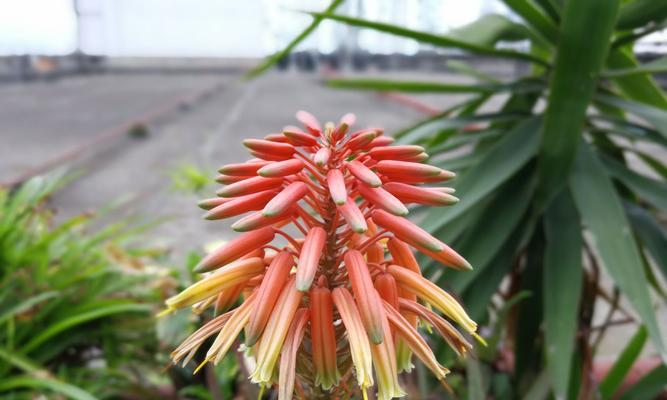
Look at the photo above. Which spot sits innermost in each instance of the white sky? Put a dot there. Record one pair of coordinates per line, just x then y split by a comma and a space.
213, 28
201, 27
37, 26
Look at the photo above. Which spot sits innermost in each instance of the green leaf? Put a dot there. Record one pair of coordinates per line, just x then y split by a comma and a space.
655, 192
553, 8
634, 35
578, 63
641, 88
463, 108
528, 348
27, 382
478, 381
653, 67
648, 387
508, 155
638, 13
273, 59
651, 234
435, 40
484, 239
479, 292
489, 29
81, 318
463, 68
656, 165
521, 86
533, 16
19, 361
602, 213
562, 288
654, 115
428, 130
539, 389
26, 305
463, 139
631, 130
490, 352
616, 375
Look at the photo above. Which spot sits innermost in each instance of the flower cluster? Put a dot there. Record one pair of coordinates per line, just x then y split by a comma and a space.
329, 288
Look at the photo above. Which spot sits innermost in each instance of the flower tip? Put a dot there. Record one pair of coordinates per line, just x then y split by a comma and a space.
202, 267
479, 339
360, 229
209, 216
165, 312
251, 339
303, 286
200, 366
239, 228
207, 204
376, 336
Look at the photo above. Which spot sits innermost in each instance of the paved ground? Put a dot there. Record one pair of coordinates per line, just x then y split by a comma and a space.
42, 119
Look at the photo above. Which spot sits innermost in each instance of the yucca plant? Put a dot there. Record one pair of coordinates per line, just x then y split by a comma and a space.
554, 198
74, 305
324, 270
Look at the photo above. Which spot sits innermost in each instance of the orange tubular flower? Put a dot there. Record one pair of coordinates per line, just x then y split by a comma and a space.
285, 199
249, 186
276, 331
289, 352
241, 205
323, 337
419, 238
220, 280
416, 342
403, 257
368, 299
236, 249
360, 348
338, 294
267, 294
281, 169
337, 188
309, 259
427, 196
243, 169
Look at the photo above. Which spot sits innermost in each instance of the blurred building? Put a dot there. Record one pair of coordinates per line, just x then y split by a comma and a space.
225, 28
214, 28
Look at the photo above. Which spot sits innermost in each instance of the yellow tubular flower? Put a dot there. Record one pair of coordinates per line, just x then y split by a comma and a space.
360, 348
276, 330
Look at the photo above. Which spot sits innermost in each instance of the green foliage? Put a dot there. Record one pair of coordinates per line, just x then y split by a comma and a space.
562, 287
550, 200
188, 178
75, 314
275, 58
621, 367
